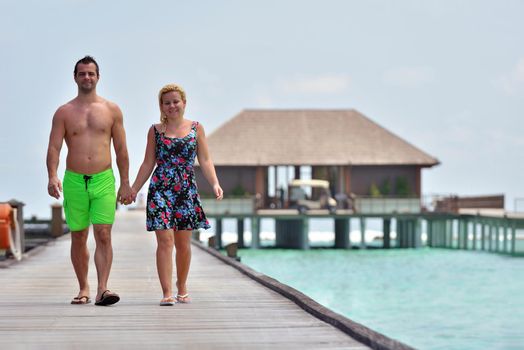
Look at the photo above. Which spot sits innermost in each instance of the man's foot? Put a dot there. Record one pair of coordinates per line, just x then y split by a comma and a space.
107, 298
82, 300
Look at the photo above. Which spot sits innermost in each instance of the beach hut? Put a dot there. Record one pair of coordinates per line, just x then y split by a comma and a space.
258, 150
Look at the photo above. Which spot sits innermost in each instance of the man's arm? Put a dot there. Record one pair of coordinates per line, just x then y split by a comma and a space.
56, 139
125, 194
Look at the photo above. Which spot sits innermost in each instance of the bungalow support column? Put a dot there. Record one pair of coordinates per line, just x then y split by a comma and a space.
513, 236
255, 232
430, 239
417, 233
342, 230
240, 232
362, 232
218, 233
386, 227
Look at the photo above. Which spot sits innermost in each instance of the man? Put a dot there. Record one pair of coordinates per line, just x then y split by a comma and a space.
87, 124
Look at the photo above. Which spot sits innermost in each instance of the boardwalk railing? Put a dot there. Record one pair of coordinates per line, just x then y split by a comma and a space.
482, 231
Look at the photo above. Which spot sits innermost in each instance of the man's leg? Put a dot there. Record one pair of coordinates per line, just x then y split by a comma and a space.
183, 261
76, 209
103, 256
80, 259
102, 214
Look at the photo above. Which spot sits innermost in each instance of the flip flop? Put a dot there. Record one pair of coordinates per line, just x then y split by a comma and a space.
84, 299
167, 301
108, 298
183, 299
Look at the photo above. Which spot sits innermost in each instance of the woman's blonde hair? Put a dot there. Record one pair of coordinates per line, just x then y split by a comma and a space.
168, 88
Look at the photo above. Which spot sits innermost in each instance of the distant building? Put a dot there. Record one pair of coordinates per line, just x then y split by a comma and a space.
356, 155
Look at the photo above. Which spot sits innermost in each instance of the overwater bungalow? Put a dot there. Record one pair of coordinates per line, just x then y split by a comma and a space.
258, 151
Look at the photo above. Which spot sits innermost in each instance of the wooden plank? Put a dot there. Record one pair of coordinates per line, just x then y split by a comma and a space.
229, 310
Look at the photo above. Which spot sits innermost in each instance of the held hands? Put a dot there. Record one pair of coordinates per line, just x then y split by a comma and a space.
54, 187
217, 190
126, 194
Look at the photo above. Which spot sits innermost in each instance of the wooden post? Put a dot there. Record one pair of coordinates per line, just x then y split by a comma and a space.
240, 232
231, 251
57, 222
20, 218
212, 242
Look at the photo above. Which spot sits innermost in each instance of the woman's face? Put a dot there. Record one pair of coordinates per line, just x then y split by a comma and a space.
172, 104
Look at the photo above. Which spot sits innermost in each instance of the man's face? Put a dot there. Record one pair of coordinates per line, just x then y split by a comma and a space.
86, 77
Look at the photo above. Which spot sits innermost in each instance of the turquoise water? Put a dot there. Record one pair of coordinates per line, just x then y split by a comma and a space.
426, 298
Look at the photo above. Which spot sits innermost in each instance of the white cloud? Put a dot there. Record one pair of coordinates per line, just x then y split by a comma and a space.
322, 84
513, 81
409, 77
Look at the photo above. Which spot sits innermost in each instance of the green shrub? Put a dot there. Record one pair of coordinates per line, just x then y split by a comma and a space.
374, 191
385, 188
402, 186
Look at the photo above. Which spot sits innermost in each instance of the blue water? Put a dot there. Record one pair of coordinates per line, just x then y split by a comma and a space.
426, 298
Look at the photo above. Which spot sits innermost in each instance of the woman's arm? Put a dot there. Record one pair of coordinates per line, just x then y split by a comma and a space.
204, 159
148, 164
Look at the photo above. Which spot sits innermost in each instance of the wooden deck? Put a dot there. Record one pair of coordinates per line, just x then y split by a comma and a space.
229, 309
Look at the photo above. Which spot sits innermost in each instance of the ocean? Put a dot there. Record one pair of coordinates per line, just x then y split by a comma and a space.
428, 298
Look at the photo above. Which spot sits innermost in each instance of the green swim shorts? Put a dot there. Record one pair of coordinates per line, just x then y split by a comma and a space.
89, 199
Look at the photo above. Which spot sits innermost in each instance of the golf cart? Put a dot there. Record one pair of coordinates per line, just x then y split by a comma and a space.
310, 194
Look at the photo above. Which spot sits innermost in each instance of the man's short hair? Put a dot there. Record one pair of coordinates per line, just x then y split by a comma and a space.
86, 60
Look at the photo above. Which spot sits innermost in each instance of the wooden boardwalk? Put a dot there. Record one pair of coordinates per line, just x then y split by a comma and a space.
229, 309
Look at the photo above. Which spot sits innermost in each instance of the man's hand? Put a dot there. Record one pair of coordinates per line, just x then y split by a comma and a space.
126, 195
54, 187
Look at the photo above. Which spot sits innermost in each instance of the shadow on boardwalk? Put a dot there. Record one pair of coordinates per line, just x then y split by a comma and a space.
229, 311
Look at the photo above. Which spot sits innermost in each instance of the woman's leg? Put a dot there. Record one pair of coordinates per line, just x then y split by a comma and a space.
183, 259
164, 260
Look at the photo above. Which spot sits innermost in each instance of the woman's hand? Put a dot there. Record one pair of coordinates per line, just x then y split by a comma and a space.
219, 194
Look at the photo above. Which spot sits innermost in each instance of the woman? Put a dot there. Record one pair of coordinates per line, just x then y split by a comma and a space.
173, 204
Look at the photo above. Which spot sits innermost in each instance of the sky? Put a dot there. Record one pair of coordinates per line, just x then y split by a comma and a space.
446, 75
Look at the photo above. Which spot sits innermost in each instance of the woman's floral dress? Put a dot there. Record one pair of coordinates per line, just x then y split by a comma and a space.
172, 200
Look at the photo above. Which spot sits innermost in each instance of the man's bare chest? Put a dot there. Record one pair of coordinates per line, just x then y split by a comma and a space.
91, 122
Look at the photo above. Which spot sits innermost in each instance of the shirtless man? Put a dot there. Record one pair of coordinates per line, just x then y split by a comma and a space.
87, 124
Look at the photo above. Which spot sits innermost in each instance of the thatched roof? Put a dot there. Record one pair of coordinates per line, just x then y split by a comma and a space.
310, 137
